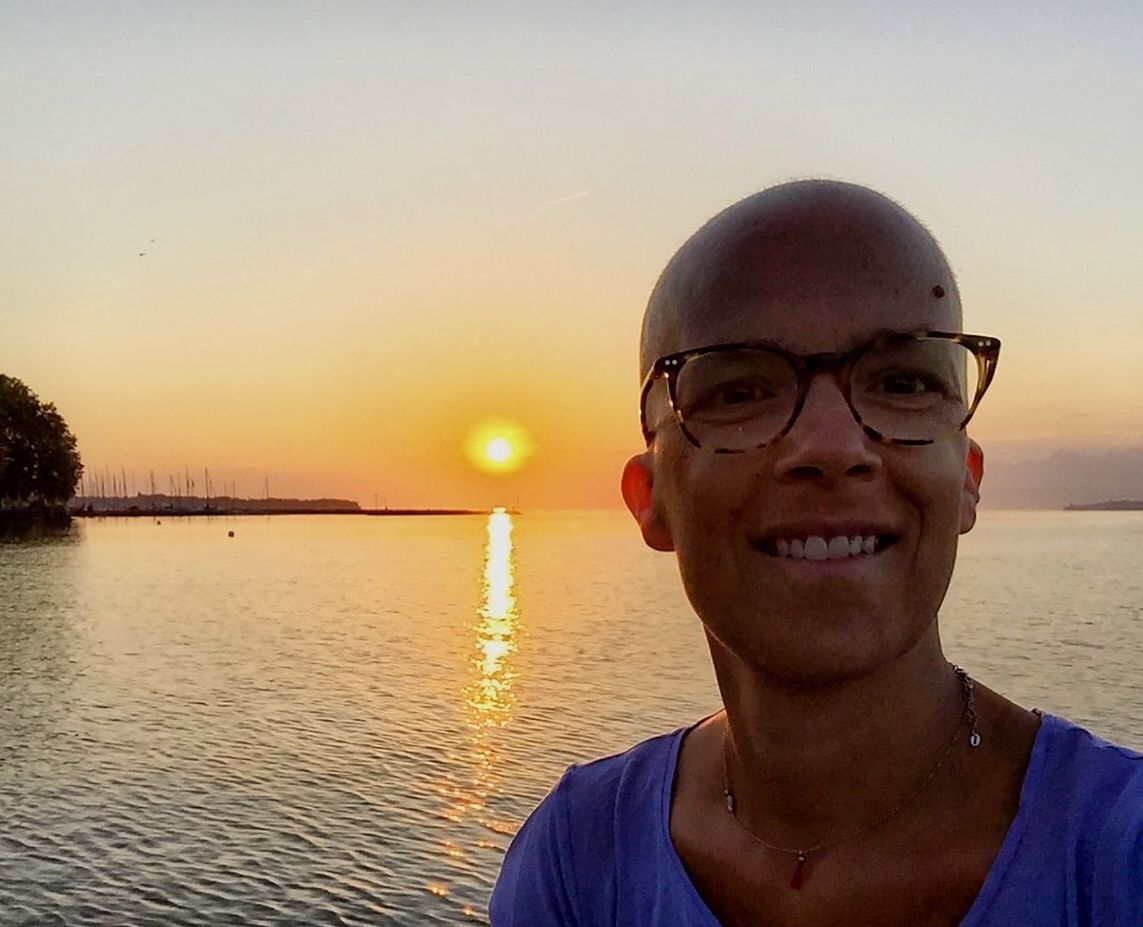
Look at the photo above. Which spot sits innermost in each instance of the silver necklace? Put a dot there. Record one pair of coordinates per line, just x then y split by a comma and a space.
801, 854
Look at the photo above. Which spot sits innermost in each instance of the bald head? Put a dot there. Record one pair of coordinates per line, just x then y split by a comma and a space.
787, 247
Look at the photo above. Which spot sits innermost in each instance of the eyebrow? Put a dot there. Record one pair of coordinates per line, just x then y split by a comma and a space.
853, 345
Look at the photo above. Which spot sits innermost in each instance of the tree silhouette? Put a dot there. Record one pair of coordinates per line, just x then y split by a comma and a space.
39, 463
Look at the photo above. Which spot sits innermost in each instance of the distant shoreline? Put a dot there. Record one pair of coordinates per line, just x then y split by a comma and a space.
226, 513
1111, 505
160, 504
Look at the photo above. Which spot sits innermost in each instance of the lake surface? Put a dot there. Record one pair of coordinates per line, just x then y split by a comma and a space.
342, 720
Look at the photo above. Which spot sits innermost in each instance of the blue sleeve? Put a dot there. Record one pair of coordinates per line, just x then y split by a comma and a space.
1117, 885
532, 889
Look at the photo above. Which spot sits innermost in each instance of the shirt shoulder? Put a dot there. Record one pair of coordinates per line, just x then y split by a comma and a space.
561, 867
1083, 763
1099, 792
1075, 853
1093, 788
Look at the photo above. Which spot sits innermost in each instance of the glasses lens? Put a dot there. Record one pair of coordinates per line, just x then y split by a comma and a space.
918, 390
736, 400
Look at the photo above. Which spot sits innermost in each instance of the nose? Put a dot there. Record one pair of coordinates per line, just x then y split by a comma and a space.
826, 444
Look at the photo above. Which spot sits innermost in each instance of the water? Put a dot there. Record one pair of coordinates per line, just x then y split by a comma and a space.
333, 720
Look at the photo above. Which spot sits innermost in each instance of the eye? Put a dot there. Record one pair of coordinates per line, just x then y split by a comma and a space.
733, 387
906, 383
906, 389
735, 400
738, 394
733, 394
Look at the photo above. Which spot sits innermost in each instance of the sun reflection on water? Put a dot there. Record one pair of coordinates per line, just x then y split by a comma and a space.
489, 697
487, 700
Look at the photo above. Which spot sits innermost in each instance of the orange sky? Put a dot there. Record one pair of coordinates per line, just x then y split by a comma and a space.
321, 248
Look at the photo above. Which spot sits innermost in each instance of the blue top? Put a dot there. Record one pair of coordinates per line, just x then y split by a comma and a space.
597, 850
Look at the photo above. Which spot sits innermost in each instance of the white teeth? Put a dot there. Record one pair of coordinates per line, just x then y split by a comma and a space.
815, 547
838, 548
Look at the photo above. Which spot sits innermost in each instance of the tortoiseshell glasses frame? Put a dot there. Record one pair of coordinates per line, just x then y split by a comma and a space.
985, 349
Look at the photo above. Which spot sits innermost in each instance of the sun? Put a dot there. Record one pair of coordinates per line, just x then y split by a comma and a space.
498, 450
498, 446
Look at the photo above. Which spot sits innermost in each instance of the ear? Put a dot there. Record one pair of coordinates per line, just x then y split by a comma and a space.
636, 486
970, 493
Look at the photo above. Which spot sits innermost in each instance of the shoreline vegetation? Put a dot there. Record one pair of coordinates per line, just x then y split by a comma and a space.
33, 519
1110, 505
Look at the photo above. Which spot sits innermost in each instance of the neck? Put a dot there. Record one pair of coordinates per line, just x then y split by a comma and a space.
809, 764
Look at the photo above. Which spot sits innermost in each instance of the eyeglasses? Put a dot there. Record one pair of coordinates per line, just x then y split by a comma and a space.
902, 388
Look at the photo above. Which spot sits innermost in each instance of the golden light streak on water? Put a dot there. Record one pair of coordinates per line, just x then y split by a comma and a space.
489, 696
487, 700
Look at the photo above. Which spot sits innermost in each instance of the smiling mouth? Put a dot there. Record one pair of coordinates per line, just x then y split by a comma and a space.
818, 548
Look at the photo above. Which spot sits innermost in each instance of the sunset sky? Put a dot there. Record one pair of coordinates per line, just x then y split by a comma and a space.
323, 244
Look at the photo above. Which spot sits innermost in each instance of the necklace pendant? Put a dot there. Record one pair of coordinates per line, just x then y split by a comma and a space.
974, 739
729, 801
799, 875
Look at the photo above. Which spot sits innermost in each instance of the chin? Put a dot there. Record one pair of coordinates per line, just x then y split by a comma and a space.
835, 651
